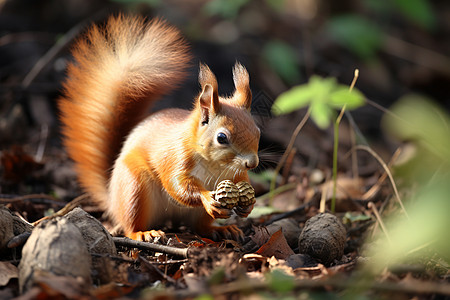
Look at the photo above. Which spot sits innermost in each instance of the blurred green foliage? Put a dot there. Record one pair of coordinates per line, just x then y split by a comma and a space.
228, 9
364, 35
356, 33
282, 58
323, 95
418, 11
425, 125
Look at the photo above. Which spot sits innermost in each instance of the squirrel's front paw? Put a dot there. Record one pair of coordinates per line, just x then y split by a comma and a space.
215, 208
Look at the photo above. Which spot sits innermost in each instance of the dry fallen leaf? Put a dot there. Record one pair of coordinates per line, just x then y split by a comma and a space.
276, 246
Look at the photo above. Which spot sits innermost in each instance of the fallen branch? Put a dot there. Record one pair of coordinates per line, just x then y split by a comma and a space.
126, 242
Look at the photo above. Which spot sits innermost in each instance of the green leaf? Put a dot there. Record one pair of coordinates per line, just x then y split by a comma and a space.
322, 94
321, 87
357, 34
282, 58
293, 99
418, 11
343, 96
321, 114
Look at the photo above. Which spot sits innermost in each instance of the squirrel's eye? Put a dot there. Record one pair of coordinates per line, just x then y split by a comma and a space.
222, 138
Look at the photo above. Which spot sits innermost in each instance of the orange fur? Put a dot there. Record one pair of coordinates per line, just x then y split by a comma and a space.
145, 172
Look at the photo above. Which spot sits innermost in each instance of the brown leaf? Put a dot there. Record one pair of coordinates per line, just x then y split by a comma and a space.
276, 246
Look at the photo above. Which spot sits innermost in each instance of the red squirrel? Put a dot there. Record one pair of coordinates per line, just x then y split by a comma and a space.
145, 171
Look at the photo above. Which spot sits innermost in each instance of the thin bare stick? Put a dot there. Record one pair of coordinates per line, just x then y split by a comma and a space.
336, 142
126, 242
28, 197
67, 208
355, 77
57, 48
380, 221
288, 149
386, 169
417, 54
376, 187
288, 165
154, 268
352, 133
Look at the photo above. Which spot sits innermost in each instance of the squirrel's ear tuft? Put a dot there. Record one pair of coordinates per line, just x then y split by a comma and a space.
209, 97
242, 95
205, 76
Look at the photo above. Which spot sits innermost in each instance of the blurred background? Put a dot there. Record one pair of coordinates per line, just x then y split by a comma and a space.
401, 47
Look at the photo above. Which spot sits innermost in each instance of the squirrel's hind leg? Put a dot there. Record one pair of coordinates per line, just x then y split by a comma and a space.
218, 233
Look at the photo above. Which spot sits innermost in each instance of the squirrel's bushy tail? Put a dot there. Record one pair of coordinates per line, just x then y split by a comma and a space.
118, 72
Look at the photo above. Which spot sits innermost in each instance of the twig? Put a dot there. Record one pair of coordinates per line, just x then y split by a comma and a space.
288, 149
386, 169
373, 190
336, 141
355, 77
288, 165
29, 197
67, 208
154, 268
380, 221
56, 48
126, 242
417, 55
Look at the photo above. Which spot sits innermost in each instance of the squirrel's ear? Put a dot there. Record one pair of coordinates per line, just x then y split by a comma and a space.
209, 98
209, 103
242, 95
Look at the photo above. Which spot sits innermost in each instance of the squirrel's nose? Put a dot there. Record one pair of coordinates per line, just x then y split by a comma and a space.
251, 161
